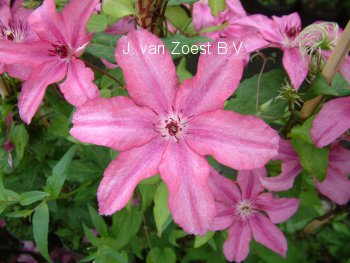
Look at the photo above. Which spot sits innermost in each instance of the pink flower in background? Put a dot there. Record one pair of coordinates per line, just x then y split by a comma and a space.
282, 32
248, 213
204, 20
14, 27
344, 68
28, 246
55, 56
168, 130
331, 122
338, 169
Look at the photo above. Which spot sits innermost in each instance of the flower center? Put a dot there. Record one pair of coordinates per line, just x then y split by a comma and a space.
60, 49
15, 31
245, 208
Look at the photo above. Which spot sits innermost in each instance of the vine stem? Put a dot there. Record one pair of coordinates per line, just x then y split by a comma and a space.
103, 72
329, 70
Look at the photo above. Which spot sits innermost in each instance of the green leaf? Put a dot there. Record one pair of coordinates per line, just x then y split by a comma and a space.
32, 197
180, 2
90, 236
41, 229
108, 254
97, 23
19, 137
178, 17
161, 211
59, 173
118, 8
314, 160
98, 221
303, 131
341, 85
21, 213
321, 87
182, 71
217, 6
125, 225
165, 255
103, 46
201, 240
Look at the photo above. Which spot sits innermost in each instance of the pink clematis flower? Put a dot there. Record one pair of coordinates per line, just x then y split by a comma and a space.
203, 19
282, 32
168, 129
331, 122
248, 212
14, 27
338, 168
55, 57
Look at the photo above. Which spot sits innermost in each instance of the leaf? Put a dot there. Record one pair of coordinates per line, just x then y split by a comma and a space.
178, 17
182, 71
118, 8
321, 87
21, 213
108, 254
314, 160
303, 131
97, 23
59, 173
125, 225
341, 85
161, 211
90, 236
201, 240
165, 255
98, 221
32, 197
103, 45
41, 229
19, 137
217, 6
180, 2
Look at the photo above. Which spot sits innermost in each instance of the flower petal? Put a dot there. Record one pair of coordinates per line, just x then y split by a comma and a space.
116, 123
241, 142
278, 209
287, 22
249, 182
218, 76
284, 181
223, 189
79, 86
191, 202
267, 234
331, 122
344, 69
296, 66
286, 151
33, 89
339, 158
47, 23
151, 79
124, 173
236, 247
75, 16
336, 186
225, 216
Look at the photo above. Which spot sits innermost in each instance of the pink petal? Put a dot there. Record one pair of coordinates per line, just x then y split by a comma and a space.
332, 121
286, 151
33, 89
116, 123
339, 158
278, 209
151, 80
75, 16
241, 142
249, 182
122, 27
202, 17
336, 186
236, 247
18, 71
28, 54
47, 23
225, 215
217, 77
191, 202
296, 66
79, 86
284, 181
344, 69
223, 189
267, 234
287, 22
124, 173
5, 12
236, 7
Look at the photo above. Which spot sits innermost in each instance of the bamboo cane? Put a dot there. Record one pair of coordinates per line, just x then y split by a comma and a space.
330, 69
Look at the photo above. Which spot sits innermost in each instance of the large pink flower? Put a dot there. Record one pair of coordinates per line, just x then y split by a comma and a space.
55, 56
338, 168
14, 27
168, 130
331, 122
283, 32
248, 212
227, 28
